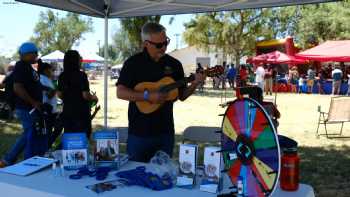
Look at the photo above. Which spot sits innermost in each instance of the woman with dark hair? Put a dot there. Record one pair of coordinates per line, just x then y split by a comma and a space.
74, 90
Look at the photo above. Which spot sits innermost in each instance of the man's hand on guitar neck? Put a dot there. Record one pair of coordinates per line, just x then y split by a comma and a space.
199, 78
157, 97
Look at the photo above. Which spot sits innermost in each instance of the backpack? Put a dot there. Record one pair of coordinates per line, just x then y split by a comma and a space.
9, 92
5, 109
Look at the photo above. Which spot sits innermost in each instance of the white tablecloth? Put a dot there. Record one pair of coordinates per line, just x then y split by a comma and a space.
44, 184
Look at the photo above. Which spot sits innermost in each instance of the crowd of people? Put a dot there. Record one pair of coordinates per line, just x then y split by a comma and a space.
266, 76
33, 96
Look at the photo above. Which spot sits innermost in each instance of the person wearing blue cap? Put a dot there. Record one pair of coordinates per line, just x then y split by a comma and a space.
28, 96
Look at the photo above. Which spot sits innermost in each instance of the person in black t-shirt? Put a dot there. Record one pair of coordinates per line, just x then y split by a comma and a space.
27, 88
73, 88
149, 133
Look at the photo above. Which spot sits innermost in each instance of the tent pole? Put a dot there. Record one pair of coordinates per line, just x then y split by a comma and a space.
105, 74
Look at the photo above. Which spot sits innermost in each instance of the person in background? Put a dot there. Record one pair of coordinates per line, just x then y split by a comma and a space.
259, 77
293, 77
320, 79
251, 74
223, 76
74, 90
28, 91
49, 93
200, 69
54, 120
268, 79
301, 84
7, 84
231, 76
337, 76
347, 71
8, 74
311, 74
348, 93
243, 75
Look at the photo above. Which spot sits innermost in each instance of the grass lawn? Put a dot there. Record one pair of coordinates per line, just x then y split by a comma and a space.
325, 163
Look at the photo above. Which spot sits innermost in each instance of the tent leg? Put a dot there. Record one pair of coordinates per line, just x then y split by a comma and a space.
105, 73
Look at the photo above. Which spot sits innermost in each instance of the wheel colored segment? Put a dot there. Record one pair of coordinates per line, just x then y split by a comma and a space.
228, 130
267, 174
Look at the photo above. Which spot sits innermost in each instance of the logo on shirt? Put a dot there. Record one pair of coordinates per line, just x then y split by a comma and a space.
168, 70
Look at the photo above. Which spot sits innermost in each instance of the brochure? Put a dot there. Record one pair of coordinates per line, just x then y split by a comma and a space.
28, 166
187, 165
74, 152
106, 147
212, 158
108, 185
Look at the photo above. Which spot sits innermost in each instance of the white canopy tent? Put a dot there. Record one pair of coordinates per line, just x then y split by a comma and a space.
90, 57
129, 8
118, 66
56, 56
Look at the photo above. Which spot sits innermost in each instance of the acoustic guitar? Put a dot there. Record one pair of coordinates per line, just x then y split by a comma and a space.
169, 86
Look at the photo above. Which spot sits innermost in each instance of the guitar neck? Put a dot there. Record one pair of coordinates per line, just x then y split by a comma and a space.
177, 84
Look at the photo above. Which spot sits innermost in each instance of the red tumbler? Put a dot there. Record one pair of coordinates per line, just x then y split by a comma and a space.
289, 179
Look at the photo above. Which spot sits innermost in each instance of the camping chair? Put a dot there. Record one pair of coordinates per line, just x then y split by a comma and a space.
202, 134
339, 113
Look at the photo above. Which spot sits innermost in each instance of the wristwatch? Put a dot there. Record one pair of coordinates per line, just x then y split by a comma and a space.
146, 95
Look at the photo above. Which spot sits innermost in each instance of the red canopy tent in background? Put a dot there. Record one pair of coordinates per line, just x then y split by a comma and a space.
337, 51
275, 57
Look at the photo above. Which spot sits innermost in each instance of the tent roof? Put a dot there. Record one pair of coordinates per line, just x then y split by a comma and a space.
90, 57
54, 56
338, 51
130, 8
118, 66
276, 57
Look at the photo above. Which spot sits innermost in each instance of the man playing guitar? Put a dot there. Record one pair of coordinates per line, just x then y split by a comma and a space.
150, 132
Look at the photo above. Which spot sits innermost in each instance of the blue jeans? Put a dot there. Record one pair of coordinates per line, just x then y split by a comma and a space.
142, 149
24, 140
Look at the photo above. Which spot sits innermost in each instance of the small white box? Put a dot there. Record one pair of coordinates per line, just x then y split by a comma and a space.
187, 165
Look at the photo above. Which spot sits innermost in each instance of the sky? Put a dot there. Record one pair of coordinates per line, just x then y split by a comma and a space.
17, 22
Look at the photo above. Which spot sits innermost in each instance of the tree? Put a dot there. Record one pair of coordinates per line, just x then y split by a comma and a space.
55, 33
127, 40
132, 27
3, 64
123, 46
311, 24
228, 32
323, 22
112, 53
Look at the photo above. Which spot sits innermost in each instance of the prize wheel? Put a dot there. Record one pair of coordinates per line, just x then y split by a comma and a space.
250, 148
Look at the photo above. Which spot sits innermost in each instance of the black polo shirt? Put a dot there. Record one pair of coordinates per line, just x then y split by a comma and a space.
141, 68
29, 78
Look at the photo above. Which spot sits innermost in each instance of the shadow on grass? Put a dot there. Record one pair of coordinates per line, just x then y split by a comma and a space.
8, 134
326, 169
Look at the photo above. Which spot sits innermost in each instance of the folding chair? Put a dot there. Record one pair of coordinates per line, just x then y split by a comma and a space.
123, 134
339, 113
202, 134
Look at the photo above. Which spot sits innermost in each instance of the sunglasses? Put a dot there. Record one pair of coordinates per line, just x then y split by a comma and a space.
161, 44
